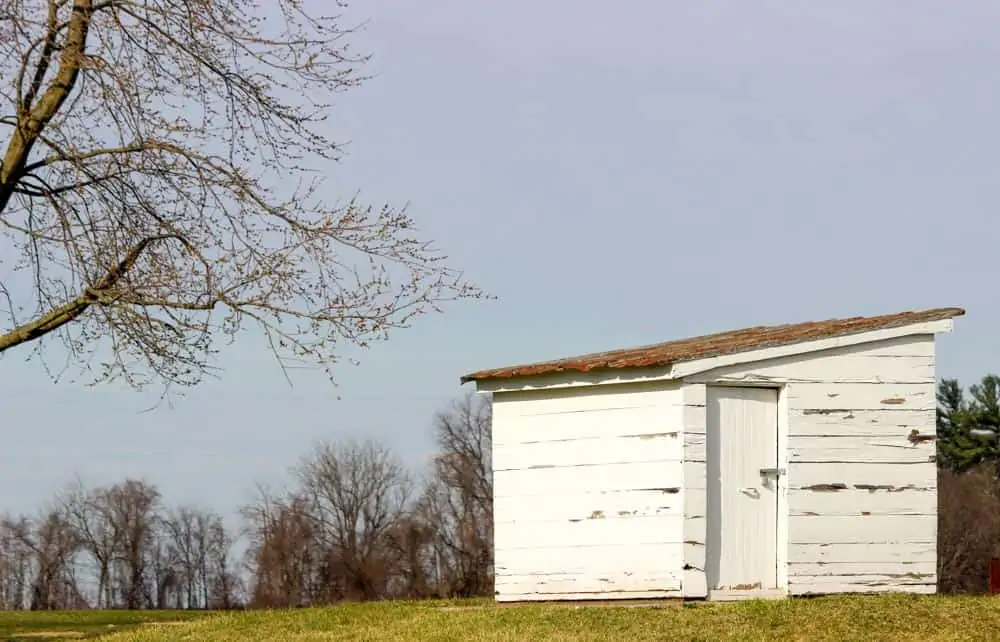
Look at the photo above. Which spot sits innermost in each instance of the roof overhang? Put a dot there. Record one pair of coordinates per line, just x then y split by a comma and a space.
683, 369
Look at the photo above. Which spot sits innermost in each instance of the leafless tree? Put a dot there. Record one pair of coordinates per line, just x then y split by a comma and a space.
185, 530
164, 585
968, 528
53, 545
282, 550
358, 493
16, 562
90, 514
133, 507
159, 190
340, 534
122, 539
199, 547
458, 501
346, 530
412, 542
226, 590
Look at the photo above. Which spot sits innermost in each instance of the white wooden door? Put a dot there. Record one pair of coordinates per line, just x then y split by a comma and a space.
742, 442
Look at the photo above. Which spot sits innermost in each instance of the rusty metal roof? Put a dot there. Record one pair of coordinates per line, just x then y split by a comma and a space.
711, 345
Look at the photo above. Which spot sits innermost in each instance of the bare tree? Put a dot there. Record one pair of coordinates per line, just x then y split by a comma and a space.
137, 552
90, 514
53, 544
358, 494
413, 543
968, 528
15, 564
159, 190
133, 508
184, 530
282, 550
349, 530
164, 585
199, 547
458, 501
226, 587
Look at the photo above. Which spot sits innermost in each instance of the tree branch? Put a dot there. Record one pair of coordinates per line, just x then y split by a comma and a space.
35, 120
96, 153
71, 310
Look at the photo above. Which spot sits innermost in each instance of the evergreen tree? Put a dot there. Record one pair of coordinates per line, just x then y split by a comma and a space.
961, 420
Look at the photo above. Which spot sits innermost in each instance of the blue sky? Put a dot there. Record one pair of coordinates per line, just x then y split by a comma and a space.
617, 174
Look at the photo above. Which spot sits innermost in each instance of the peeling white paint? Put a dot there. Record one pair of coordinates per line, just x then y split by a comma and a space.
863, 553
861, 477
601, 485
588, 500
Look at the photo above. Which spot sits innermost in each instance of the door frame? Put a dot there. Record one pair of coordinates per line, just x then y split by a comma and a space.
781, 529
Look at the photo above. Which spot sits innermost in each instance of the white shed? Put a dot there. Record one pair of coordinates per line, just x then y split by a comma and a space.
771, 461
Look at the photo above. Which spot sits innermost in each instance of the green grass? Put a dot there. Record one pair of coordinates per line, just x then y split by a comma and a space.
836, 618
45, 626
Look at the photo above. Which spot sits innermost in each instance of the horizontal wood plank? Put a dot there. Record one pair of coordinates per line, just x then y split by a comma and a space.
861, 396
695, 530
694, 555
695, 583
639, 447
561, 482
694, 394
659, 529
862, 553
875, 529
900, 569
695, 476
843, 368
862, 502
873, 584
855, 449
695, 503
601, 595
585, 559
695, 447
638, 580
848, 423
694, 419
572, 425
861, 476
590, 505
588, 398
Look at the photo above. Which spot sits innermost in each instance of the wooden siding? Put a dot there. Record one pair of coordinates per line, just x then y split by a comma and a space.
588, 500
861, 488
695, 489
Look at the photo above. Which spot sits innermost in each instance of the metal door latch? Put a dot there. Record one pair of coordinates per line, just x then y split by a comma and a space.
772, 472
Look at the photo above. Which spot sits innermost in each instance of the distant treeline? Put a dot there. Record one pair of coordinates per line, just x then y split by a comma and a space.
355, 525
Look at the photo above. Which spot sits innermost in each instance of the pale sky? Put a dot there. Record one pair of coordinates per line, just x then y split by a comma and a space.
617, 173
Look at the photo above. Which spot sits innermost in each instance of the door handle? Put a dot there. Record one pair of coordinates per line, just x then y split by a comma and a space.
750, 492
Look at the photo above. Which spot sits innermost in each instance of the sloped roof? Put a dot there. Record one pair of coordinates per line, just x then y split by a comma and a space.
711, 345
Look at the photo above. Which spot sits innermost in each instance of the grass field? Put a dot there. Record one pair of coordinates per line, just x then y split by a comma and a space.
838, 618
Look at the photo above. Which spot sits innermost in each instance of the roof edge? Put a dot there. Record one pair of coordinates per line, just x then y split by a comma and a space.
606, 362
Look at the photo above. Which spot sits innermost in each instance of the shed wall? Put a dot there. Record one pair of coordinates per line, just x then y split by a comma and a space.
861, 484
588, 500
